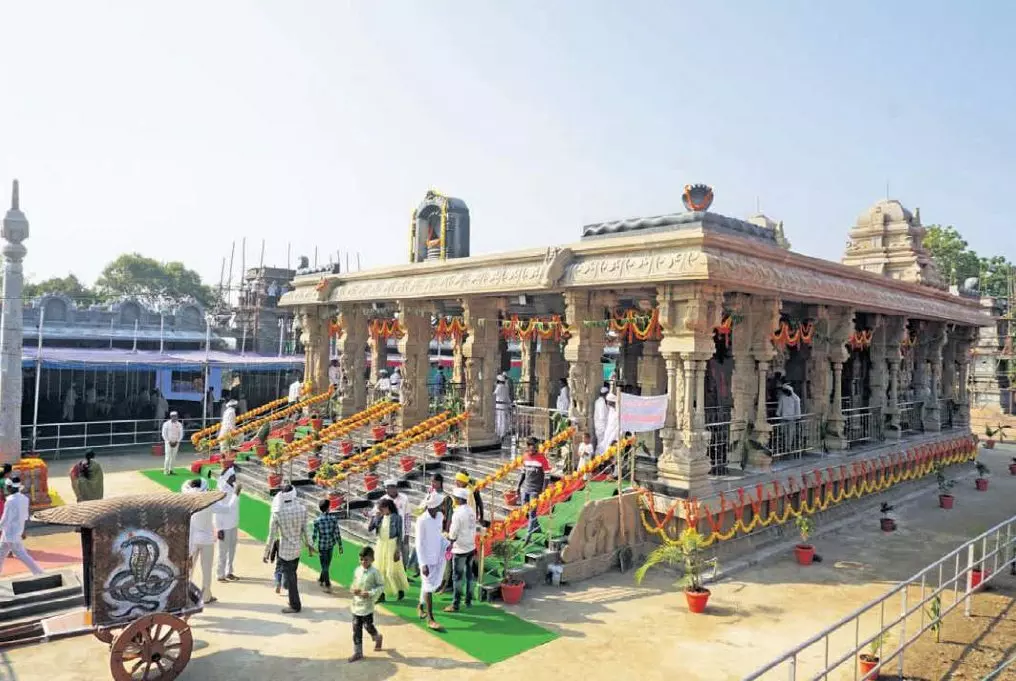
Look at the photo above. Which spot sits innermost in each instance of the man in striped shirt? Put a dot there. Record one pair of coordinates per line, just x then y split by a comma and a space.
289, 526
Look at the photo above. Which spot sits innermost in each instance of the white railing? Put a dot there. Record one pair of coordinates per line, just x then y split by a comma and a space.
863, 425
793, 436
911, 417
901, 615
53, 438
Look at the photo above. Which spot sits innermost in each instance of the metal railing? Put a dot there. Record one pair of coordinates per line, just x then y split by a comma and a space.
529, 421
902, 614
719, 447
53, 438
911, 417
945, 413
793, 436
718, 414
862, 425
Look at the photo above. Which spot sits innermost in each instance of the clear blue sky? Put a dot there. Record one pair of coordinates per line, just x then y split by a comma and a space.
175, 129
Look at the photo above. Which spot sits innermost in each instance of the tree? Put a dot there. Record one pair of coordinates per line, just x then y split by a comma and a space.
135, 276
995, 273
69, 286
955, 261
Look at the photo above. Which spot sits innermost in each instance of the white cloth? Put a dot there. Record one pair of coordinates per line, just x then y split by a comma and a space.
227, 553
610, 431
169, 451
294, 391
788, 406
502, 409
228, 421
600, 420
430, 547
203, 554
227, 511
563, 400
90, 395
334, 376
12, 522
172, 432
161, 408
462, 531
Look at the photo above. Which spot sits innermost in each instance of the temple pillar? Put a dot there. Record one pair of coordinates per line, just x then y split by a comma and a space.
895, 332
932, 416
841, 325
481, 365
765, 316
652, 380
15, 230
966, 337
458, 363
353, 390
550, 367
314, 337
583, 352
819, 373
378, 357
414, 346
878, 372
526, 390
688, 315
744, 377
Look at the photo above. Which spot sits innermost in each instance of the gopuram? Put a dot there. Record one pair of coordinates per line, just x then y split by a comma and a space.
709, 309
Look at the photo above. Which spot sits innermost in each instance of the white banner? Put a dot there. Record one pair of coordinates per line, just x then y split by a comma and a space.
642, 414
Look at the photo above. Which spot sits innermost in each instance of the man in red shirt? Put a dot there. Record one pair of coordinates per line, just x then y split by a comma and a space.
534, 479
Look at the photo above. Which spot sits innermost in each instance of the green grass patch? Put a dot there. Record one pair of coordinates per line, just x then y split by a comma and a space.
484, 632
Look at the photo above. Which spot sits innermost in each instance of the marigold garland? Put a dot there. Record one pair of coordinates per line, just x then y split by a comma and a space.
453, 328
859, 340
813, 495
516, 463
385, 328
627, 325
263, 409
543, 328
374, 412
788, 336
203, 439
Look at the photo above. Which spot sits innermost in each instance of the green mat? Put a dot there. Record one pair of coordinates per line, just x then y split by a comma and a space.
484, 632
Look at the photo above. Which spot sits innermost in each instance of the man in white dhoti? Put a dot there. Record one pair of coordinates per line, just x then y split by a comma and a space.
600, 417
172, 434
12, 527
564, 398
430, 551
226, 519
502, 407
70, 401
610, 425
228, 425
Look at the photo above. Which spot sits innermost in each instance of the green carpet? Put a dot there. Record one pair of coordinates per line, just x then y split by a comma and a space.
486, 633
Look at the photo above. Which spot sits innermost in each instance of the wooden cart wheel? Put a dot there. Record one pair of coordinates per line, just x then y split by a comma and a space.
106, 635
153, 648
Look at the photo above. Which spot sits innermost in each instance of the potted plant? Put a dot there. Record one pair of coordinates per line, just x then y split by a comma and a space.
407, 463
868, 661
347, 447
511, 498
981, 482
687, 553
440, 447
379, 432
507, 553
945, 499
274, 463
314, 460
371, 481
316, 422
1012, 466
888, 523
804, 551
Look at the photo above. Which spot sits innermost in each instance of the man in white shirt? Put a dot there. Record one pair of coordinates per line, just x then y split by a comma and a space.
226, 519
90, 399
172, 434
295, 388
70, 401
227, 425
563, 398
430, 551
396, 382
600, 419
334, 374
462, 535
202, 540
12, 528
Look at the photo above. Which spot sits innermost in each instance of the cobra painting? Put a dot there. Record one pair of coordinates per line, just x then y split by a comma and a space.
144, 579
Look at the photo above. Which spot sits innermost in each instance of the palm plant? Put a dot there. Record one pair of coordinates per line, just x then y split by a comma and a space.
686, 553
805, 526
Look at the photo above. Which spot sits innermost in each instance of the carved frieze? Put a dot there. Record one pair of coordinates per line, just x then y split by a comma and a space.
635, 267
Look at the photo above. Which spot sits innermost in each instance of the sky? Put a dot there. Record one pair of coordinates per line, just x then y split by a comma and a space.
176, 129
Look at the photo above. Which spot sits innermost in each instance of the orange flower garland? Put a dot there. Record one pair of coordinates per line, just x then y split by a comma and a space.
263, 409
859, 340
202, 439
787, 337
385, 328
515, 463
453, 328
544, 328
626, 324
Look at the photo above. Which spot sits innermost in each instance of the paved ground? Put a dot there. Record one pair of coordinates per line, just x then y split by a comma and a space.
609, 628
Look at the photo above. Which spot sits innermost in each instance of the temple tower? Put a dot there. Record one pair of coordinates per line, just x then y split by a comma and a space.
439, 229
889, 240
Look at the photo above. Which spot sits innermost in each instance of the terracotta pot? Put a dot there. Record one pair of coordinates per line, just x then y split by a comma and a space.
440, 448
981, 484
697, 600
1012, 469
317, 424
805, 554
407, 463
261, 451
371, 481
379, 432
215, 458
888, 524
347, 447
945, 500
511, 498
335, 501
989, 444
511, 593
287, 436
158, 450
274, 480
313, 463
866, 663
977, 575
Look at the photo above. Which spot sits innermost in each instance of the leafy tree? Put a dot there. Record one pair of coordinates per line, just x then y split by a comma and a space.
954, 259
69, 286
147, 279
995, 273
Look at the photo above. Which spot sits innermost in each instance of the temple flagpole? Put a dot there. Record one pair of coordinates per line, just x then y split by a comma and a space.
38, 380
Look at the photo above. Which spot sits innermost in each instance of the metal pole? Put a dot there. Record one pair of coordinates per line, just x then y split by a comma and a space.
282, 334
970, 580
289, 250
243, 342
229, 281
135, 347
618, 461
38, 379
162, 332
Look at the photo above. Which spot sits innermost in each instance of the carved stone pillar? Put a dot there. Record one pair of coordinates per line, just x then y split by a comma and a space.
841, 324
895, 332
744, 377
765, 315
550, 368
481, 365
314, 336
526, 390
458, 365
878, 372
353, 392
818, 371
378, 357
414, 346
965, 337
932, 410
948, 390
688, 315
583, 352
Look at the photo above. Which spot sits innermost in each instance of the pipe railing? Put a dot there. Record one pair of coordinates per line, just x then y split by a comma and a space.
54, 438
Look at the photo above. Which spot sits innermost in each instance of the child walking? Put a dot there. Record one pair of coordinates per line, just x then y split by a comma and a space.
325, 535
367, 587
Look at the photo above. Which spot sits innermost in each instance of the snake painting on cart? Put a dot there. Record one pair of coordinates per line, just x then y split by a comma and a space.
143, 580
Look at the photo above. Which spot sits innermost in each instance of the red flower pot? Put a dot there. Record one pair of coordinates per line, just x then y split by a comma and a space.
888, 524
347, 447
697, 599
215, 458
287, 436
317, 424
511, 592
274, 480
195, 467
371, 481
989, 444
981, 484
335, 501
158, 450
313, 463
440, 448
1012, 469
867, 663
511, 498
261, 450
407, 463
805, 554
379, 432
945, 500
977, 576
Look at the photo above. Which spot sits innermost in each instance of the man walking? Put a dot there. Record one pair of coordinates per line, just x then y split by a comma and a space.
462, 535
430, 551
12, 527
202, 540
227, 517
172, 434
289, 526
227, 425
534, 478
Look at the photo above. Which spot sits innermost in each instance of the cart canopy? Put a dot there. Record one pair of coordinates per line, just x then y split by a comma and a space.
114, 511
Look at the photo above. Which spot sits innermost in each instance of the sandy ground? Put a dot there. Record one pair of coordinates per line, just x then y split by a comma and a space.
608, 628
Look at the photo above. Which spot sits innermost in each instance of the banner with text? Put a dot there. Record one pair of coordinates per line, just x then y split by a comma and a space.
642, 414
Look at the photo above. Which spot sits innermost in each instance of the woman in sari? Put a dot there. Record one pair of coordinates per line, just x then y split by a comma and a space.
388, 525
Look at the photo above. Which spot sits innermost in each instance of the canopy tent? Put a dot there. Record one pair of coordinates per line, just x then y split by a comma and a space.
180, 360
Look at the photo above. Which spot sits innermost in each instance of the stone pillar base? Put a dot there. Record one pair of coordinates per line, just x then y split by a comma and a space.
684, 472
